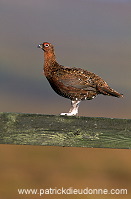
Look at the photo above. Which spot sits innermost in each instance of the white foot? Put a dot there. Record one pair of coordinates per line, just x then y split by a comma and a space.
69, 114
73, 110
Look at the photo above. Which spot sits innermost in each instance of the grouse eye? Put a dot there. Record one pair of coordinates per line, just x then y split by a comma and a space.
46, 45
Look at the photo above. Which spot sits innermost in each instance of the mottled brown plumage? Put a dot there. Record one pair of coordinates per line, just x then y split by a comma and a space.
73, 83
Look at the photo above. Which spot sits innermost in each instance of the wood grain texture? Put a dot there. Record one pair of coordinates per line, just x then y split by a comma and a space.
52, 130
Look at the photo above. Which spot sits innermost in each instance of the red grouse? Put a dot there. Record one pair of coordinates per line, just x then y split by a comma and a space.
73, 83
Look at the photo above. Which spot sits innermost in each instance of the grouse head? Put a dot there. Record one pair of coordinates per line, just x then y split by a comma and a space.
47, 47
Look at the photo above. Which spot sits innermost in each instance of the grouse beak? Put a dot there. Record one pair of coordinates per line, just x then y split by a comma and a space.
40, 46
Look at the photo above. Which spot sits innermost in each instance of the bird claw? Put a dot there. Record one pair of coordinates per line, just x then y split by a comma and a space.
68, 114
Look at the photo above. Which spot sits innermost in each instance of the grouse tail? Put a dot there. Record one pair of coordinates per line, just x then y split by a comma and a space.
109, 91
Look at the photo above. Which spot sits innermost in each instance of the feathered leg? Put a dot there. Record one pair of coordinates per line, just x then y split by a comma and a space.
74, 108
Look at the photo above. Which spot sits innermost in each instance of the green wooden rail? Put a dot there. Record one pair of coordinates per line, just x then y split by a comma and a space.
52, 130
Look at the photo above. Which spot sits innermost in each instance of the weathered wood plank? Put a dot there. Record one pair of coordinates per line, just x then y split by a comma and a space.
51, 130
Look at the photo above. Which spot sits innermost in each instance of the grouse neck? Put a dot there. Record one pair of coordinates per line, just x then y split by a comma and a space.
49, 58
